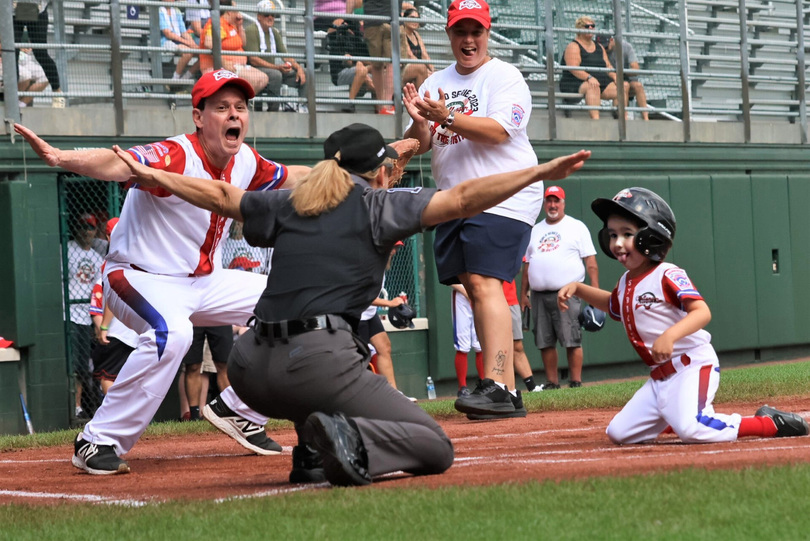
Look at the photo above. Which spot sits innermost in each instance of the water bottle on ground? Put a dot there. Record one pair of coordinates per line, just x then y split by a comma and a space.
431, 389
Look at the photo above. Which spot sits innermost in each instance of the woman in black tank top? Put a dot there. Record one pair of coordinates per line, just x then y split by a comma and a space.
585, 52
413, 48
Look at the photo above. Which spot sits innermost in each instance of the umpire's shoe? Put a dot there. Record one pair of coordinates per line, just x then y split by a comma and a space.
249, 435
345, 460
488, 398
97, 459
787, 424
517, 401
307, 465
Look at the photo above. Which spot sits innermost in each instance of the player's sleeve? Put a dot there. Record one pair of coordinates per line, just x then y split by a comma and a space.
269, 175
97, 300
678, 287
509, 101
614, 307
166, 155
396, 214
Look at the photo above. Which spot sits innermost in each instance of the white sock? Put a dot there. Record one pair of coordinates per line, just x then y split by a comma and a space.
175, 76
501, 385
513, 392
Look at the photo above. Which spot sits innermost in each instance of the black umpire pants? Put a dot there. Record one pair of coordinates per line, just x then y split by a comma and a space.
324, 371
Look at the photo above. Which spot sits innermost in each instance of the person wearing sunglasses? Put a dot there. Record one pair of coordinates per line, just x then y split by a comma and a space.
585, 52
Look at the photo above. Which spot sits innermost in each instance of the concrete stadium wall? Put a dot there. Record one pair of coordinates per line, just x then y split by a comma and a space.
738, 206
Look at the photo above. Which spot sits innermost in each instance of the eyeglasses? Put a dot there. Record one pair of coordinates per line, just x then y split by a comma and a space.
588, 26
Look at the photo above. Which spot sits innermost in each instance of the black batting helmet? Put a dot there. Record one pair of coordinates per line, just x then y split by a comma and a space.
592, 319
402, 316
655, 237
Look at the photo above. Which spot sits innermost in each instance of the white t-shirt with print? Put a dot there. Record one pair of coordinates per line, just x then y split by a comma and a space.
498, 91
555, 253
84, 269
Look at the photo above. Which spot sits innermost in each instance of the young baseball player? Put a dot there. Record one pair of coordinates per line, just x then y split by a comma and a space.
664, 315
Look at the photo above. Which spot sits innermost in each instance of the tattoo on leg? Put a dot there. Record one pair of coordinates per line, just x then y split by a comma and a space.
500, 361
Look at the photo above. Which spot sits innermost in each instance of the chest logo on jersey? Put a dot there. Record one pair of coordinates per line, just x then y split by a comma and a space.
646, 300
86, 272
549, 242
462, 102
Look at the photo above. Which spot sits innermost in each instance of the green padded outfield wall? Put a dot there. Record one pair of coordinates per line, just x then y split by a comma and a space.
743, 235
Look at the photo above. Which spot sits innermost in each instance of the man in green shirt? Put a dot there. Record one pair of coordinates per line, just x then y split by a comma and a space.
280, 70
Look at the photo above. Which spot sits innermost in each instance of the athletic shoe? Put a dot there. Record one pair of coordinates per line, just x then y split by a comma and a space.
537, 389
463, 391
345, 460
575, 384
487, 398
247, 434
97, 459
517, 401
787, 424
307, 465
58, 102
548, 386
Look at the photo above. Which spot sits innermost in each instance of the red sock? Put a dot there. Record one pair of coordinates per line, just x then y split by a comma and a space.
461, 368
373, 363
479, 364
757, 426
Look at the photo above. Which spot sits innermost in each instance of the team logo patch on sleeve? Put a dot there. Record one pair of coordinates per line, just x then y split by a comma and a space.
680, 279
517, 114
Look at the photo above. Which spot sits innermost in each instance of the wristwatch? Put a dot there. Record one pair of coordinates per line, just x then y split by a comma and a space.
449, 120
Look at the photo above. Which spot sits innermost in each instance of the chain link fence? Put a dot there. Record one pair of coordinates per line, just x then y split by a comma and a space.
85, 206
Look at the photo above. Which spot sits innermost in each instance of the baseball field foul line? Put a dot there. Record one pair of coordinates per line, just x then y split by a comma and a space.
91, 498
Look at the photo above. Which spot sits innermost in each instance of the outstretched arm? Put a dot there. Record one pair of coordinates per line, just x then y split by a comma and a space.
598, 298
101, 163
219, 197
474, 196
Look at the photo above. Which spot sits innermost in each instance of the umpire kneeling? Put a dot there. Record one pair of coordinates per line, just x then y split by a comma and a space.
332, 235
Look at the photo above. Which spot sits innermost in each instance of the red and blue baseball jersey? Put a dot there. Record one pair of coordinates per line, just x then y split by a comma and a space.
160, 233
650, 304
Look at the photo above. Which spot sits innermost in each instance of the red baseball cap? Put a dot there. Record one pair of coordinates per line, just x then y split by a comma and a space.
556, 191
111, 223
477, 10
211, 82
89, 219
243, 262
5, 343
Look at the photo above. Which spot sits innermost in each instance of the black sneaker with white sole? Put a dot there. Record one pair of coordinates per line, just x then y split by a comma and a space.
488, 398
787, 424
517, 401
97, 459
247, 434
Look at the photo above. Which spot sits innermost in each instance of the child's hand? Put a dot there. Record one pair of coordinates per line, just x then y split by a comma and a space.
662, 348
565, 293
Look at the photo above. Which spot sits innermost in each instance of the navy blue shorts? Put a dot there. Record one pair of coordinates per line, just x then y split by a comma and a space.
486, 244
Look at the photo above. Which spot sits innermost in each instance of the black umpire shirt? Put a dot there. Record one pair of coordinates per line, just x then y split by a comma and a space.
332, 263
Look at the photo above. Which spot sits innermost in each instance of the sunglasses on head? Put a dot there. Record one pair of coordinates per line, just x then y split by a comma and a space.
588, 26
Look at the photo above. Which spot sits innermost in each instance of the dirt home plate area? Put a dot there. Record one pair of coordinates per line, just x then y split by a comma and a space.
555, 445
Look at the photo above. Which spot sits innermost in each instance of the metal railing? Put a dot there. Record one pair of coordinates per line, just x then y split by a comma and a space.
702, 59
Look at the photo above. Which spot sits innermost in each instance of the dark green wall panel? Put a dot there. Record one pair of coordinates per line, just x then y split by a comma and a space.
734, 325
774, 287
798, 200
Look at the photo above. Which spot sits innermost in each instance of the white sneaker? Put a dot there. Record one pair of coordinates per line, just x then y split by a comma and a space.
21, 104
537, 389
58, 102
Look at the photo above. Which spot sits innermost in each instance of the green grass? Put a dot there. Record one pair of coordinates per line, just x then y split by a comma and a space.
756, 503
754, 383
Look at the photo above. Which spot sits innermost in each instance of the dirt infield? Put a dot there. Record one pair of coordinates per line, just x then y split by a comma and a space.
552, 445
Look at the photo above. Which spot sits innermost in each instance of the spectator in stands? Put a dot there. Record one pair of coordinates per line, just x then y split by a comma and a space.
32, 15
344, 39
263, 37
232, 35
30, 76
175, 37
196, 20
339, 7
585, 52
412, 47
378, 39
630, 62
